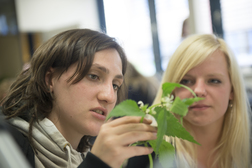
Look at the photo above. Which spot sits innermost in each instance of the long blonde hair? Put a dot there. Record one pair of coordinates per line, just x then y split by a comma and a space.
234, 146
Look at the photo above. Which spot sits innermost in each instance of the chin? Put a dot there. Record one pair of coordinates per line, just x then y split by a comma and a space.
94, 129
199, 123
93, 132
196, 122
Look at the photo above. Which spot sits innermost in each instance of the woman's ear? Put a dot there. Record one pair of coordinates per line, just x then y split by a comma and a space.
49, 79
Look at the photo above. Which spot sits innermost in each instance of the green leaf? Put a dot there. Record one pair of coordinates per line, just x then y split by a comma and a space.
169, 87
157, 110
175, 129
190, 101
166, 153
179, 107
126, 108
168, 124
144, 107
162, 126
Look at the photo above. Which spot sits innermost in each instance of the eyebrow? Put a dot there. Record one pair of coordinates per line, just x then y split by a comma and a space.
216, 74
213, 74
104, 69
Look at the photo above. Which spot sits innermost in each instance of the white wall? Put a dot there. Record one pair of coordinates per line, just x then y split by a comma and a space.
51, 15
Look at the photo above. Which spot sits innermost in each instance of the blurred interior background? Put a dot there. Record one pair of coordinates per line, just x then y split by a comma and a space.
149, 30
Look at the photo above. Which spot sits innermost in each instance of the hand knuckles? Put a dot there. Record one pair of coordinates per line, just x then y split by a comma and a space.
151, 136
141, 135
144, 127
127, 118
109, 141
134, 119
135, 133
148, 136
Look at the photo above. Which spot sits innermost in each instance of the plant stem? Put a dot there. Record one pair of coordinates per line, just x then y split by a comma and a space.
151, 161
154, 105
181, 120
141, 119
189, 90
150, 157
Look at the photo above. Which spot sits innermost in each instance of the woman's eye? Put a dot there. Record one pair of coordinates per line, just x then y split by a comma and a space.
185, 81
116, 87
92, 76
215, 81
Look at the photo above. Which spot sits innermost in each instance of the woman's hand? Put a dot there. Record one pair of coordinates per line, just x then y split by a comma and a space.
114, 138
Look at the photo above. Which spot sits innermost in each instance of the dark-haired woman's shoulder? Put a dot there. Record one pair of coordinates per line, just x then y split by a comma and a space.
21, 141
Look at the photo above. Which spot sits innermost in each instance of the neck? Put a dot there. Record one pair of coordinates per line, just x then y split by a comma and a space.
208, 137
71, 136
72, 139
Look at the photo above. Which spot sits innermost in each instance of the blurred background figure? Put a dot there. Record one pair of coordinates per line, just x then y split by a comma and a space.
185, 29
140, 88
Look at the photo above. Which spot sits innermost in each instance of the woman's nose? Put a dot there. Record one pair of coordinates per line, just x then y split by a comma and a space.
200, 88
107, 93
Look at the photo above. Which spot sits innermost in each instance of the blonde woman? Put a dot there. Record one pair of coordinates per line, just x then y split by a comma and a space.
220, 122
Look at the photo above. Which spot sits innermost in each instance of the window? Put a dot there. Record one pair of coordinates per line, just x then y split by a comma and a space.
170, 17
237, 25
128, 21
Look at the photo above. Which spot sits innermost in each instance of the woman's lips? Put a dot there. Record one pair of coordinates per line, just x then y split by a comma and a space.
99, 113
100, 110
199, 107
98, 116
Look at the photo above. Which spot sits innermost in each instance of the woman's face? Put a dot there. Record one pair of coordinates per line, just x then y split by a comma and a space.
209, 80
81, 108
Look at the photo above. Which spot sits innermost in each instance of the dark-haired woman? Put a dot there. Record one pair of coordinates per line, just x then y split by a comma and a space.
75, 79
